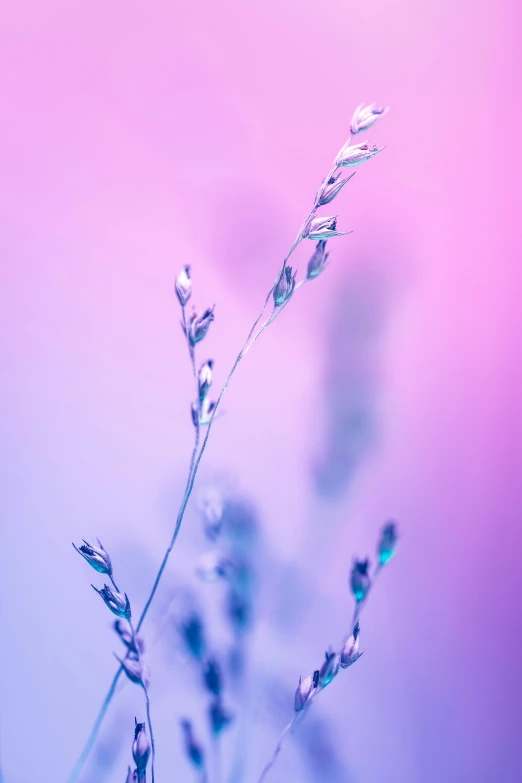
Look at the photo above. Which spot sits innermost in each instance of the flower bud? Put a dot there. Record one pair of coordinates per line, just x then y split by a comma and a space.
318, 261
140, 747
284, 288
193, 749
97, 557
202, 414
355, 154
350, 652
366, 116
305, 691
136, 671
330, 189
212, 677
322, 228
183, 286
205, 379
198, 325
219, 717
360, 580
118, 604
329, 668
387, 545
135, 646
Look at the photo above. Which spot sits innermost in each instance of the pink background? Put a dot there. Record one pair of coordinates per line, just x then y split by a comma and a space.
137, 137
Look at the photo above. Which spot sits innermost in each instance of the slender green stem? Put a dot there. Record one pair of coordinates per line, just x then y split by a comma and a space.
279, 747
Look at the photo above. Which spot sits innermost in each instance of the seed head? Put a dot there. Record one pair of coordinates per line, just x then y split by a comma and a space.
136, 671
212, 677
360, 580
118, 604
198, 325
205, 379
305, 691
97, 557
322, 228
330, 189
350, 652
355, 154
387, 545
126, 636
318, 261
329, 668
284, 288
219, 717
183, 286
366, 116
193, 749
140, 747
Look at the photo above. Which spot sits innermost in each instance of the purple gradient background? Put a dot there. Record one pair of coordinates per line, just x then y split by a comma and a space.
136, 137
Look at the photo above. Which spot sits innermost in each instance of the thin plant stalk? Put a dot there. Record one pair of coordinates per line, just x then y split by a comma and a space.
193, 470
280, 743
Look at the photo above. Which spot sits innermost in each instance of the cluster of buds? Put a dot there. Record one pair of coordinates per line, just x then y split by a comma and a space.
140, 754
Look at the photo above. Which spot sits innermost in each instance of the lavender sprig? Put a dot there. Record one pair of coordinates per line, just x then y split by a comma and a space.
195, 330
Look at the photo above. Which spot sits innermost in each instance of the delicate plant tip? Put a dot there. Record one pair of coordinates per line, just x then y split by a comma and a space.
193, 635
212, 677
205, 379
219, 717
193, 749
350, 652
360, 580
198, 325
207, 410
322, 228
366, 116
355, 154
318, 261
126, 637
136, 671
387, 545
183, 286
118, 604
329, 668
284, 288
330, 189
305, 691
97, 557
140, 747
132, 776
212, 567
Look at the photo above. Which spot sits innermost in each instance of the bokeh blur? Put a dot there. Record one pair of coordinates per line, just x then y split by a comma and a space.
137, 137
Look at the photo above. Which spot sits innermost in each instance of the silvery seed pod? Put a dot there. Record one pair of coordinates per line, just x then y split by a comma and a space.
97, 557
118, 604
205, 379
322, 228
140, 747
198, 325
329, 668
360, 581
355, 154
183, 286
366, 116
330, 189
284, 288
350, 652
305, 691
318, 261
387, 545
136, 671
